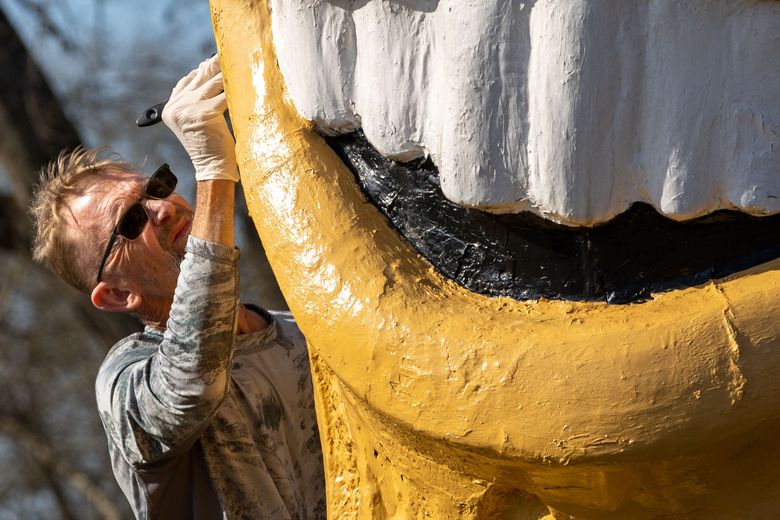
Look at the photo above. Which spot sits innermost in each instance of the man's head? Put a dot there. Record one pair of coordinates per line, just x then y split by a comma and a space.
81, 198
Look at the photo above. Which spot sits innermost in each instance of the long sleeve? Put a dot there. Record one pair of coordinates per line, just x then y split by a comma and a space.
156, 391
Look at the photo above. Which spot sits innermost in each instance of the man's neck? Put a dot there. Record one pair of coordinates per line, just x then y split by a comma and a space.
154, 315
250, 321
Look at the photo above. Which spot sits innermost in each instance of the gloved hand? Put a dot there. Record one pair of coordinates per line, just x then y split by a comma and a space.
194, 113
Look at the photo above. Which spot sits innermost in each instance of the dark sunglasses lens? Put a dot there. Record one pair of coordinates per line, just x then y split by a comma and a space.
162, 183
133, 222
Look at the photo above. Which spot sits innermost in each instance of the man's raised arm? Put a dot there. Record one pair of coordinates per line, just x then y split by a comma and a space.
195, 113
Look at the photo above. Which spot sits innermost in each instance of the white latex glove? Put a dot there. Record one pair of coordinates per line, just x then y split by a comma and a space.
194, 113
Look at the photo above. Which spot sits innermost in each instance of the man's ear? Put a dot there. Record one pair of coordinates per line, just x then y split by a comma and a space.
113, 299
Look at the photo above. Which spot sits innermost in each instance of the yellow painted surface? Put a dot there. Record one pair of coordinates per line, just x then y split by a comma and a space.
435, 402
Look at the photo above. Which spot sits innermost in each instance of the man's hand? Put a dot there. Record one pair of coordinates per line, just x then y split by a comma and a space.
195, 113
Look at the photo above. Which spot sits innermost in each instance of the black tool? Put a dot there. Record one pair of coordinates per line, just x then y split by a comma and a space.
151, 115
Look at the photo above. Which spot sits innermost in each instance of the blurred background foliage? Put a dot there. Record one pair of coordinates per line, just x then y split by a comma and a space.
79, 72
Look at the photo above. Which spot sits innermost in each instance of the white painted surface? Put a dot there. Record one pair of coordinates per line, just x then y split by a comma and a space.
572, 109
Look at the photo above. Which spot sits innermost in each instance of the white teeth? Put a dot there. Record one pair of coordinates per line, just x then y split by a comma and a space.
573, 109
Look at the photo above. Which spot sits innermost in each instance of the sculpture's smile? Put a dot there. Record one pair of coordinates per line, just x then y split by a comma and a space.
575, 113
527, 257
432, 397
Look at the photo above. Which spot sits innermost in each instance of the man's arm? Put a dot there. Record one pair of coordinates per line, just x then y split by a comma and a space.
195, 113
213, 219
159, 401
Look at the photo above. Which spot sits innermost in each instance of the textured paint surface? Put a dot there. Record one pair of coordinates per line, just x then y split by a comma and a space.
572, 110
524, 256
439, 403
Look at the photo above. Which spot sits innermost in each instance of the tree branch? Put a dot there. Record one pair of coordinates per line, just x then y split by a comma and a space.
46, 457
32, 121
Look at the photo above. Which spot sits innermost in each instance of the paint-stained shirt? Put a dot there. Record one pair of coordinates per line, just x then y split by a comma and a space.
203, 423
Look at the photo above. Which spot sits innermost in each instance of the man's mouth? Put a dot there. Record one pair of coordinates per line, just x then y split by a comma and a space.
178, 236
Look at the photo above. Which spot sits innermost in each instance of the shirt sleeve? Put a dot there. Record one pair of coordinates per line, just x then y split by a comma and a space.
156, 391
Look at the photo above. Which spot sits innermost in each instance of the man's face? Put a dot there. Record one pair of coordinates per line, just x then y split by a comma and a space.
148, 264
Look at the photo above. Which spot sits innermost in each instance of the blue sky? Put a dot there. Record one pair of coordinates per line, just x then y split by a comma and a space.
117, 48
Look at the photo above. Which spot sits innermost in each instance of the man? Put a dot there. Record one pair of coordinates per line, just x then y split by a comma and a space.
209, 411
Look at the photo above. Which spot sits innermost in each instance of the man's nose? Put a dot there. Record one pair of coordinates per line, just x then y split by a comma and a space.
160, 210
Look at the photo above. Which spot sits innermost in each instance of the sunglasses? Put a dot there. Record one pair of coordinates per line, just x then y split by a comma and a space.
133, 221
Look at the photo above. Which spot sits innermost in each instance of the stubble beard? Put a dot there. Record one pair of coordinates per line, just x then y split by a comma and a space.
175, 255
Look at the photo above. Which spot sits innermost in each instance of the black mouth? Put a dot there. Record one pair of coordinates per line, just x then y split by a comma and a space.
527, 257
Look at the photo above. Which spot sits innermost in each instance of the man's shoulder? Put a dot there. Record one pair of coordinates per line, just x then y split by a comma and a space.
125, 352
288, 327
137, 345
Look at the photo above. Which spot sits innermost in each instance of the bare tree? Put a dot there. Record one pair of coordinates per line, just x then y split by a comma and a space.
32, 121
51, 338
44, 324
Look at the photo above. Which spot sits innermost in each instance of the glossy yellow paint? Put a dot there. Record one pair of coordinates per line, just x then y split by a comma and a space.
437, 402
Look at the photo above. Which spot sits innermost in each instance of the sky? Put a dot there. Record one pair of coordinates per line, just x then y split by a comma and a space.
91, 53
110, 28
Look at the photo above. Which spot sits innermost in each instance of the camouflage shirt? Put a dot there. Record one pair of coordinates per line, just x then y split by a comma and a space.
202, 423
